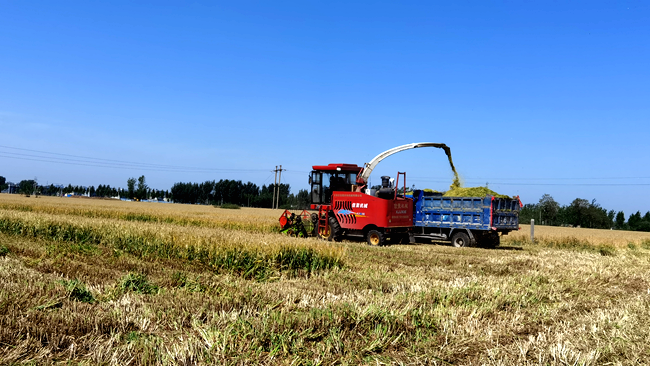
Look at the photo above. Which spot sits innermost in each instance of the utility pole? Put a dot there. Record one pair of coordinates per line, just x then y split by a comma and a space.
277, 204
275, 184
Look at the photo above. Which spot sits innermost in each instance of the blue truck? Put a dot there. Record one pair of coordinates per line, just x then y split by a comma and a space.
465, 221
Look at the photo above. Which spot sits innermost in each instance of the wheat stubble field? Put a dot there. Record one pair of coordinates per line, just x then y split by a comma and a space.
87, 281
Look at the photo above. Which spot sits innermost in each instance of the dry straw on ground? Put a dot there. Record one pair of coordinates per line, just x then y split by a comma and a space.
187, 215
523, 304
615, 238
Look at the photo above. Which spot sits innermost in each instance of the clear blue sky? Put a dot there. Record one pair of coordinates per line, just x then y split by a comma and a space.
533, 97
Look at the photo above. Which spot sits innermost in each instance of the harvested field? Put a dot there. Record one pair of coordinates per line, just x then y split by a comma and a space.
186, 215
595, 237
82, 281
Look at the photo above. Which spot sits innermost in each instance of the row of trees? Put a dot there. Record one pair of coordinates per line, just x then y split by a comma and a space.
141, 191
209, 192
582, 213
239, 193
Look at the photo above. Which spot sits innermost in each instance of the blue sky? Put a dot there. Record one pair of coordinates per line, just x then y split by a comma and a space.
533, 97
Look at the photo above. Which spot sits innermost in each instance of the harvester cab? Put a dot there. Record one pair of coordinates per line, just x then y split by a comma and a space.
325, 179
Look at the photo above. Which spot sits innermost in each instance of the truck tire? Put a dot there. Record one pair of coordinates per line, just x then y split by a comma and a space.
375, 238
460, 239
491, 241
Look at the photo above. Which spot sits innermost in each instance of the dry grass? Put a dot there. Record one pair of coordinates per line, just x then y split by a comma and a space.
252, 256
255, 220
615, 238
406, 304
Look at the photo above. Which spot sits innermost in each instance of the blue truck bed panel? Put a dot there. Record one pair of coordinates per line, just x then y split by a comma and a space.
476, 213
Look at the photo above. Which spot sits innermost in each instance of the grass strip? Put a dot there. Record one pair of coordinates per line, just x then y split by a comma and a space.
254, 226
221, 254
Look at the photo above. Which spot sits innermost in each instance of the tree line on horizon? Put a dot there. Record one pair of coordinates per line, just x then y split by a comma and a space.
238, 193
209, 192
581, 213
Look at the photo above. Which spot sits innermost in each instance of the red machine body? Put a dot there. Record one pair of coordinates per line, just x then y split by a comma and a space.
344, 209
357, 211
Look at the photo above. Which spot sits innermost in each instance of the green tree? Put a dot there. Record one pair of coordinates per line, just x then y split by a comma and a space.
610, 218
141, 191
3, 183
549, 209
26, 187
644, 225
528, 212
130, 187
303, 199
577, 212
620, 220
634, 221
52, 190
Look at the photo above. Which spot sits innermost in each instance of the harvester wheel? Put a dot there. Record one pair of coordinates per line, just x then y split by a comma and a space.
375, 238
324, 233
314, 222
460, 239
335, 229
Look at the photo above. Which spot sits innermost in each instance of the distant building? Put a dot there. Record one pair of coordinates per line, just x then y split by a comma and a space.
13, 188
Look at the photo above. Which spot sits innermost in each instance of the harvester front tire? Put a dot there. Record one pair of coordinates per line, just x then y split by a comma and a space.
335, 229
460, 240
375, 238
330, 235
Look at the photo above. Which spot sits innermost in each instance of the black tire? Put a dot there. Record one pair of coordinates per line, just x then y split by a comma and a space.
335, 229
491, 241
399, 239
375, 238
327, 236
314, 223
460, 240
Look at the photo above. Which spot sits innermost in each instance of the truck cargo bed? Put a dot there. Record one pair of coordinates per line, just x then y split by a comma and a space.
474, 213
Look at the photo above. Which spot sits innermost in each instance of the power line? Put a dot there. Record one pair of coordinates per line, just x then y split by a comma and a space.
480, 182
519, 179
572, 184
85, 157
114, 164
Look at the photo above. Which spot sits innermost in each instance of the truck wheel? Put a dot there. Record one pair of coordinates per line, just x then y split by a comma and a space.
492, 241
459, 240
375, 238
